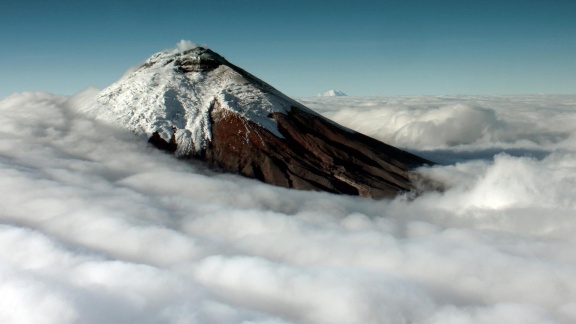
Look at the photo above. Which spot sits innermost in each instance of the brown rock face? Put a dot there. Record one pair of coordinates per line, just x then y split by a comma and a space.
313, 155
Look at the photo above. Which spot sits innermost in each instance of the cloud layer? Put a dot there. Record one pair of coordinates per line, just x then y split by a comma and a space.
95, 226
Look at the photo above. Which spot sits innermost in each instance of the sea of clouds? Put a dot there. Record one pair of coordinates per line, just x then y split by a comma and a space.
98, 227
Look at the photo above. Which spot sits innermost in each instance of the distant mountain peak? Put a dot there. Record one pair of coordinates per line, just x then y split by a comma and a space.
333, 93
193, 102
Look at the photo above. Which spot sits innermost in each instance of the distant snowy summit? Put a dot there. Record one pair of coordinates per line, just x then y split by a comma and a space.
191, 101
332, 93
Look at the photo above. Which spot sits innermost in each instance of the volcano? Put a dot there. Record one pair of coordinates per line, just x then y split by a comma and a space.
333, 93
196, 104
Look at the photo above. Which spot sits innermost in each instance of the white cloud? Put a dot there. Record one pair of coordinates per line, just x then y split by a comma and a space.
458, 123
181, 46
95, 226
184, 45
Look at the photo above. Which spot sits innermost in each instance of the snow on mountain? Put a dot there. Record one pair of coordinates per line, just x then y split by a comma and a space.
173, 91
332, 93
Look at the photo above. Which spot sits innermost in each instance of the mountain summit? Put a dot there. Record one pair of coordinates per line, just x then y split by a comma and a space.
195, 103
332, 93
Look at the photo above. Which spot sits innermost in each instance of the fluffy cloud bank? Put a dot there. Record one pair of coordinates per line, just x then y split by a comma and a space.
95, 226
530, 124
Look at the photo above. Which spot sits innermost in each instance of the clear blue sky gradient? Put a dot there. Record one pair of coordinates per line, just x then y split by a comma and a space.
301, 47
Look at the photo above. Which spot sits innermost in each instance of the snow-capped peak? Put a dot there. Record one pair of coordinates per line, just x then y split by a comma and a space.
332, 93
173, 92
193, 102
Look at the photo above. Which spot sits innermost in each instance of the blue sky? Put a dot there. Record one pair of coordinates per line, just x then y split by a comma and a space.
301, 47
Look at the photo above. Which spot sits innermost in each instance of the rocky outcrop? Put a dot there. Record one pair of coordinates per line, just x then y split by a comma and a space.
198, 105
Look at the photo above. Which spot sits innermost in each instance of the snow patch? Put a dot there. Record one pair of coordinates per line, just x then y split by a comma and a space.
173, 92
